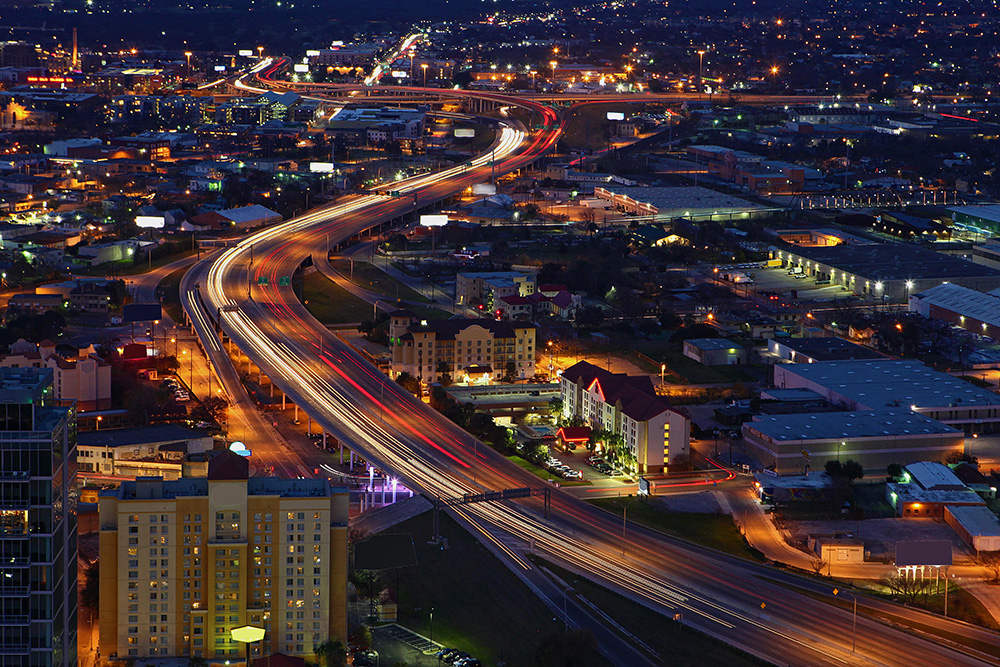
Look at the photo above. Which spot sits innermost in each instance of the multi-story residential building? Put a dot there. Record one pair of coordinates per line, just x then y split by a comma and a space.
485, 288
655, 433
85, 379
186, 561
472, 349
38, 548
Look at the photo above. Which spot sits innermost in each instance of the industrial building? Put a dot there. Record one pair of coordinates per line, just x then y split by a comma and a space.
38, 591
927, 489
812, 350
979, 312
985, 219
791, 443
887, 271
892, 384
715, 351
655, 433
978, 526
185, 562
692, 203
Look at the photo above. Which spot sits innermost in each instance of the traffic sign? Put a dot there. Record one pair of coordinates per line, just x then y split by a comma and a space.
285, 281
263, 280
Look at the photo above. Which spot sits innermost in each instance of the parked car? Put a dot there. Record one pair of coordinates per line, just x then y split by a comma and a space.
572, 474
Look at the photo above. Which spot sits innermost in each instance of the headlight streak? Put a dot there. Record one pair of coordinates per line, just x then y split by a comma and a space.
308, 384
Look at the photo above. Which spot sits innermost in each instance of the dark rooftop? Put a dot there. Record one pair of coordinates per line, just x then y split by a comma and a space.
894, 261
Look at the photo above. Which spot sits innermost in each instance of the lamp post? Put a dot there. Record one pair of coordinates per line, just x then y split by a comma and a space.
553, 64
842, 445
663, 369
260, 52
187, 54
624, 506
701, 69
534, 89
248, 634
854, 634
423, 66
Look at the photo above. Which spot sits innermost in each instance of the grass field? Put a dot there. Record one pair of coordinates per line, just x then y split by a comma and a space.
371, 277
715, 531
171, 294
330, 303
673, 643
479, 605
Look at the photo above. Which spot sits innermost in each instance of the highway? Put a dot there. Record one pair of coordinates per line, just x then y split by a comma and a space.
742, 603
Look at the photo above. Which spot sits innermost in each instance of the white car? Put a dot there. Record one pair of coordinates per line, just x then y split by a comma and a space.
572, 474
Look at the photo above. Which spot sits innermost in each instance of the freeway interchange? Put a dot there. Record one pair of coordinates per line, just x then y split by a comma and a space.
739, 602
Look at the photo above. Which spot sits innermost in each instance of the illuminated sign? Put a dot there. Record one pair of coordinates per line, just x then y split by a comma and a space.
239, 448
321, 167
464, 132
312, 54
48, 79
616, 115
246, 52
433, 220
220, 68
484, 189
299, 67
150, 221
397, 74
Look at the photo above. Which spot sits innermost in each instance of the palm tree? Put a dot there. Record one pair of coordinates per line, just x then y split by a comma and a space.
332, 654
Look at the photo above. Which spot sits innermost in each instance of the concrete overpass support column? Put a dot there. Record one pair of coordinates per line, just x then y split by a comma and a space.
296, 413
282, 402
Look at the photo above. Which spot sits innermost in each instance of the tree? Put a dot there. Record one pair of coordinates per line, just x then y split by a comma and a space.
817, 565
853, 470
509, 373
960, 457
991, 561
905, 588
589, 317
577, 648
894, 470
444, 373
555, 405
89, 594
408, 382
331, 654
211, 409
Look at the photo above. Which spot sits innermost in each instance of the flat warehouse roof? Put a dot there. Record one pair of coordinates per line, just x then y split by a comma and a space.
691, 198
978, 520
834, 425
892, 261
889, 382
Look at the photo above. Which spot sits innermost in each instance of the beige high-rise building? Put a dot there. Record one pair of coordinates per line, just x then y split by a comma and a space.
186, 561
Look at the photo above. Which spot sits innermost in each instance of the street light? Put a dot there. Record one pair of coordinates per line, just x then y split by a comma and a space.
854, 638
553, 64
187, 54
260, 52
701, 69
423, 66
248, 634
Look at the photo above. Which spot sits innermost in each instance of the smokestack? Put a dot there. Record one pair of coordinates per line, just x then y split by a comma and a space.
76, 56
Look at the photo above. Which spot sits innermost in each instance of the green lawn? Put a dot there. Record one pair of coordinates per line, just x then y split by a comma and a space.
330, 303
715, 531
479, 605
371, 277
672, 642
588, 125
171, 297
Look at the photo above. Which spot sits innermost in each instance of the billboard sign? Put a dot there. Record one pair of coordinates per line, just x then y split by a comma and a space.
397, 74
246, 52
299, 67
433, 220
141, 312
463, 132
150, 221
312, 53
321, 167
487, 189
220, 68
616, 115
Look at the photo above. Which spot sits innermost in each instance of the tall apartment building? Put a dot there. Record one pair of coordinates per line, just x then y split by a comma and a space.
473, 349
654, 432
186, 561
38, 549
487, 287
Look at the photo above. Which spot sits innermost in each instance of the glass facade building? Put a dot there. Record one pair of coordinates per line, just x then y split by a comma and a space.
38, 538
